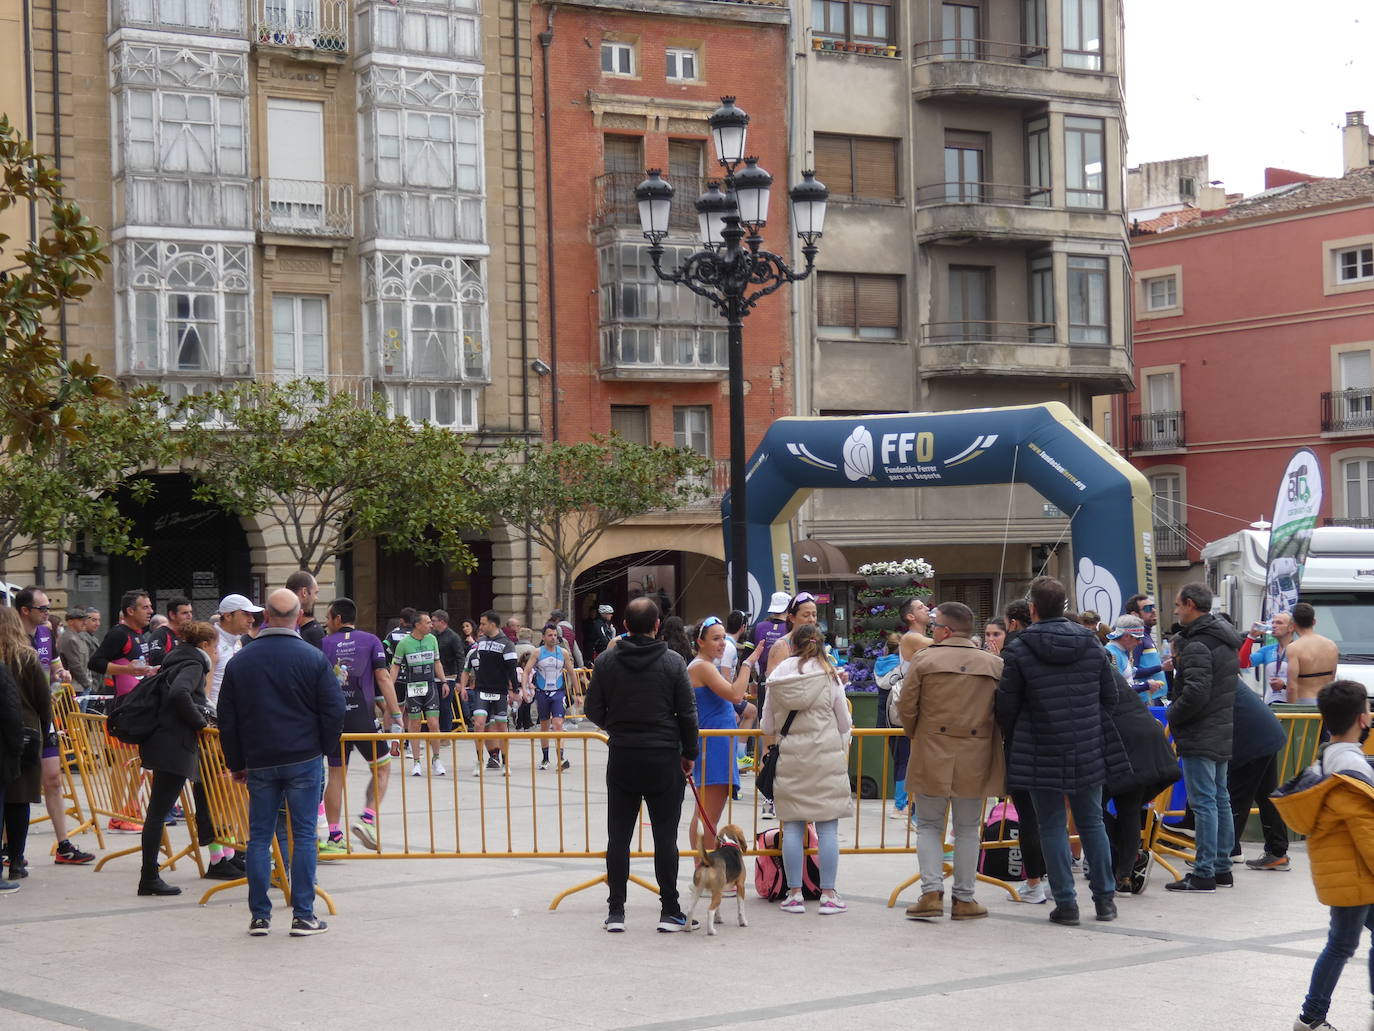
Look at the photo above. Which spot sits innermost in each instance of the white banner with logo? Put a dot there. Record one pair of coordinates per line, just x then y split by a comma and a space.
1295, 514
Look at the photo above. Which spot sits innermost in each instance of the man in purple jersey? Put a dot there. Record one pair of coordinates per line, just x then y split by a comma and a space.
33, 606
359, 663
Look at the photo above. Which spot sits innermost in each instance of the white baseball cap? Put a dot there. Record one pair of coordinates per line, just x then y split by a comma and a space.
779, 603
605, 609
237, 603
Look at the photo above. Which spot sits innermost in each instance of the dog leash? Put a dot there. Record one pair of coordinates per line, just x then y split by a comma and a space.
701, 810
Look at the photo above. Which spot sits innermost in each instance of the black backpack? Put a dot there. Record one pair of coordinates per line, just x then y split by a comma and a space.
133, 717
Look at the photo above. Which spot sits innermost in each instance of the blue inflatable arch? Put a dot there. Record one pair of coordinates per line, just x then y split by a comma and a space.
1045, 446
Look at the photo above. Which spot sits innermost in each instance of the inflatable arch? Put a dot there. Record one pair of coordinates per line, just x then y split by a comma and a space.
1045, 446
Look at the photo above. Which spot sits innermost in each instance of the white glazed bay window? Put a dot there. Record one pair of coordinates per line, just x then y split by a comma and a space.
184, 309
437, 28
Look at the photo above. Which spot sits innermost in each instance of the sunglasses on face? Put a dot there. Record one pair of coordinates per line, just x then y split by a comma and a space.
937, 626
1147, 608
40, 608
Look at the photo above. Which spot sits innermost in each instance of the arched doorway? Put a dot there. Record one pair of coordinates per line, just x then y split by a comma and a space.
683, 583
194, 549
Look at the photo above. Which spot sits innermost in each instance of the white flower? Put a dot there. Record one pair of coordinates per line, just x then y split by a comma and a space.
858, 454
915, 568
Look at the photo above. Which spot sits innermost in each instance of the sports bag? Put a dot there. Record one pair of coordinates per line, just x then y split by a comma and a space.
1002, 824
770, 880
133, 717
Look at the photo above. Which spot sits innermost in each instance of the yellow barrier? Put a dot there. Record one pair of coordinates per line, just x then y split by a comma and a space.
64, 707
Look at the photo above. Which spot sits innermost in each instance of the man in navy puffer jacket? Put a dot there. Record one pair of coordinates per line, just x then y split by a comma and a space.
1053, 702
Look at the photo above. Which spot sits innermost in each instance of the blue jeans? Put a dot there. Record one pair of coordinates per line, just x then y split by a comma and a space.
299, 785
1341, 942
1054, 841
1211, 802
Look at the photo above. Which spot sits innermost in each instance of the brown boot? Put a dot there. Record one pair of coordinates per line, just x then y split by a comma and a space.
969, 910
931, 906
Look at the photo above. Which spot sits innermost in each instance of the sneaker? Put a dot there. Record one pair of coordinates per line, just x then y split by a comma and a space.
544, 764
69, 855
330, 846
766, 811
1192, 882
1269, 862
1140, 872
745, 764
1320, 1025
438, 767
669, 923
793, 904
225, 870
156, 886
171, 821
8, 887
125, 826
832, 904
615, 921
1106, 909
19, 869
417, 770
1034, 894
1066, 916
259, 927
365, 830
409, 753
493, 761
177, 812
305, 926
239, 861
477, 769
565, 765
1225, 880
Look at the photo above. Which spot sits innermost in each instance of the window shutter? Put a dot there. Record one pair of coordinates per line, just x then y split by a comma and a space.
631, 422
835, 300
623, 154
875, 168
880, 302
833, 167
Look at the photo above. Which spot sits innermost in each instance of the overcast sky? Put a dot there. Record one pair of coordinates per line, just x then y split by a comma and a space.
1248, 82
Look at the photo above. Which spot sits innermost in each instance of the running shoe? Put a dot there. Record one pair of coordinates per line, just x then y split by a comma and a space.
493, 761
69, 855
793, 904
178, 813
834, 904
365, 831
259, 927
305, 926
225, 871
1320, 1025
438, 767
8, 887
1268, 861
615, 921
745, 764
409, 753
417, 770
566, 765
125, 826
766, 811
670, 923
544, 764
477, 769
19, 869
1140, 871
1034, 894
239, 861
327, 847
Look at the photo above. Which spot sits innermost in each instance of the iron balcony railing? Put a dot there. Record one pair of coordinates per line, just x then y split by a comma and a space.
1364, 522
299, 207
979, 50
1157, 431
983, 193
1347, 410
303, 24
616, 204
1171, 542
976, 331
715, 481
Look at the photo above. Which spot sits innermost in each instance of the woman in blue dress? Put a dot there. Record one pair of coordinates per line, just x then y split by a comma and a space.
716, 771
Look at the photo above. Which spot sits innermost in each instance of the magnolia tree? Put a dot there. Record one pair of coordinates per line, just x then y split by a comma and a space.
564, 497
37, 383
329, 472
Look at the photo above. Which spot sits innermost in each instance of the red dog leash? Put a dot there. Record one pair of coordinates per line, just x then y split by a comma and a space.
701, 810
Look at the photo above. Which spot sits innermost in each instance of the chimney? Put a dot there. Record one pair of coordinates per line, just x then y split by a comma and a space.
1357, 147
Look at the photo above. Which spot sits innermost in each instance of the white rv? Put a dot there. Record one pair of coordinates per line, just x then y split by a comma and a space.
1338, 581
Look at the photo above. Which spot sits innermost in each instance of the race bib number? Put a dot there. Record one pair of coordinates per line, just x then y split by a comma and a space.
487, 697
417, 690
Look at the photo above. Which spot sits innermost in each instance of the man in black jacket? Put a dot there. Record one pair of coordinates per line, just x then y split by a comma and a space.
641, 697
1205, 671
1053, 702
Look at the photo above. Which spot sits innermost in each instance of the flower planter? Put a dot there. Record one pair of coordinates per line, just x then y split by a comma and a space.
818, 44
887, 581
891, 51
889, 619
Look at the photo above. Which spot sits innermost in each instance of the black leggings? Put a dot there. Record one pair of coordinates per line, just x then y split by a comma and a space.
1125, 830
161, 797
16, 829
1028, 833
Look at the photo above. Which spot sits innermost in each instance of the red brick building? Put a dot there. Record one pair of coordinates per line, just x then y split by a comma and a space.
1254, 333
630, 87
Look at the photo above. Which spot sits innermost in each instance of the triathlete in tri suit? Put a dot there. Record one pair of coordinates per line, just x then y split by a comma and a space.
494, 680
416, 667
549, 674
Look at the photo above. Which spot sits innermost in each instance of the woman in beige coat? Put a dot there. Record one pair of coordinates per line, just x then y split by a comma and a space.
813, 772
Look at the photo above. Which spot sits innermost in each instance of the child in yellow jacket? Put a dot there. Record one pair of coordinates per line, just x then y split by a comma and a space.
1332, 802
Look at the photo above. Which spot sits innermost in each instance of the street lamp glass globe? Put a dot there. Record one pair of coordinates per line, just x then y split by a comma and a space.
655, 197
712, 207
752, 184
729, 128
808, 206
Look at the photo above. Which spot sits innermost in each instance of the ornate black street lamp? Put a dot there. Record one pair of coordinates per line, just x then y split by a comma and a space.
734, 273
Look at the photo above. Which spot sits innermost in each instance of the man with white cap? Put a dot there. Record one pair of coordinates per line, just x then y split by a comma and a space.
235, 619
602, 631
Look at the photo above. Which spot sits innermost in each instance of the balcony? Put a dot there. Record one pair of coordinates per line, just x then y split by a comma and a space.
716, 482
685, 353
986, 211
1020, 349
1348, 411
1017, 72
1171, 543
615, 203
1158, 431
356, 386
422, 215
191, 202
299, 207
213, 17
310, 29
1362, 522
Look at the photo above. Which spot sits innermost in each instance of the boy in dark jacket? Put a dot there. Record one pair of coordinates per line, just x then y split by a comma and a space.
641, 697
1205, 672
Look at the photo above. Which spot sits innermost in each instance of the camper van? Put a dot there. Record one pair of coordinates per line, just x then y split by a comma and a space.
1338, 581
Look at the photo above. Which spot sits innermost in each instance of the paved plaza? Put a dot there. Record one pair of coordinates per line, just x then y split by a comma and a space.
472, 943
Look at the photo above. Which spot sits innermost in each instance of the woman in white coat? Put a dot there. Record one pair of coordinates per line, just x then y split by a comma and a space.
812, 782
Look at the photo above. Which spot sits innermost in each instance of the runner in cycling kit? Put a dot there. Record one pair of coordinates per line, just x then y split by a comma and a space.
419, 672
495, 673
552, 665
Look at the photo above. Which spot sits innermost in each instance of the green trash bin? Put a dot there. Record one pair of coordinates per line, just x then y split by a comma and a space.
870, 759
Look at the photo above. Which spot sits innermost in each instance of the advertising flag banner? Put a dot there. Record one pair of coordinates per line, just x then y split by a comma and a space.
1295, 514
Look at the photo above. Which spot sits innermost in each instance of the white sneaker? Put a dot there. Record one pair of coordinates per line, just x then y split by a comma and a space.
766, 812
409, 753
477, 769
417, 770
1034, 894
438, 766
1321, 1025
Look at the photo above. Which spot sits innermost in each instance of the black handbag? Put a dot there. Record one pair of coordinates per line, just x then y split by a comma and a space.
31, 753
769, 771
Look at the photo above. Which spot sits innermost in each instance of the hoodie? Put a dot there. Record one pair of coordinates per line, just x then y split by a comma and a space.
1057, 690
641, 697
1332, 802
1205, 671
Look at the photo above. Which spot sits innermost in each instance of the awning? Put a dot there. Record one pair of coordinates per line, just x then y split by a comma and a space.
820, 560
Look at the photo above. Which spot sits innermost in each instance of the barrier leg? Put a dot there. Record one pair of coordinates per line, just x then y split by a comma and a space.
593, 883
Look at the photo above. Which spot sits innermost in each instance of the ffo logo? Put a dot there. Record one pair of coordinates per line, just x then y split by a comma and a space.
901, 448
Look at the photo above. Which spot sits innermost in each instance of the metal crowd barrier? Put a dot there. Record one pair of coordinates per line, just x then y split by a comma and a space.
64, 707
